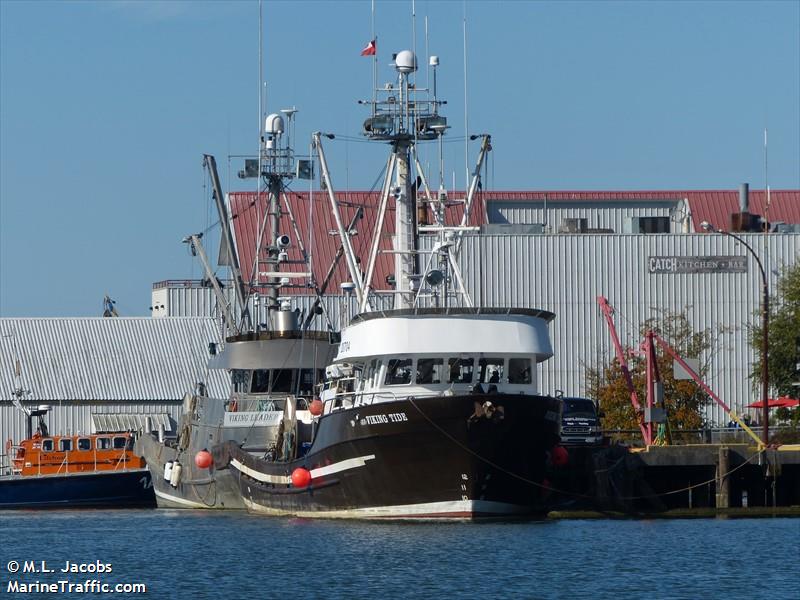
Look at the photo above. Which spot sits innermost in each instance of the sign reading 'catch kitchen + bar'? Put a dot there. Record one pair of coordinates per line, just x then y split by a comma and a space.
696, 264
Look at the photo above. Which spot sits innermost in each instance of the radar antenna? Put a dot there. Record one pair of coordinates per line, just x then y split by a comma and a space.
401, 120
403, 114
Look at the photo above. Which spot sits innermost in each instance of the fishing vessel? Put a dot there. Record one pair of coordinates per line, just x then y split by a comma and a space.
71, 471
431, 409
272, 373
274, 357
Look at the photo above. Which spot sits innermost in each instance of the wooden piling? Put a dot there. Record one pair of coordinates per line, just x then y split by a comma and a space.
723, 480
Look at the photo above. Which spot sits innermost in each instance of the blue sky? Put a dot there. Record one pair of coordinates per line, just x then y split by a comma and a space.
107, 108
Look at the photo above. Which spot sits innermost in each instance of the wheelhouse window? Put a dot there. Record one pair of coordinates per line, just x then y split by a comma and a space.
84, 444
282, 381
430, 370
491, 370
260, 382
103, 443
519, 370
460, 370
308, 380
120, 443
240, 378
375, 372
371, 368
398, 372
47, 445
65, 444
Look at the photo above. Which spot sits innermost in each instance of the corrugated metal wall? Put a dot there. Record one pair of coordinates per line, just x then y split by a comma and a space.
76, 417
566, 273
85, 365
197, 301
605, 214
109, 359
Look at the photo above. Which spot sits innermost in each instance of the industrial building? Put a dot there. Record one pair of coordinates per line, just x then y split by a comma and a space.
644, 250
103, 374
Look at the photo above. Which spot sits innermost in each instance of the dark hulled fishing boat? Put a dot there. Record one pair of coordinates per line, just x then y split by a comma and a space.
429, 413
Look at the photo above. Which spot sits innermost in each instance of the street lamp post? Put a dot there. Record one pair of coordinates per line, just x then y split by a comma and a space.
764, 329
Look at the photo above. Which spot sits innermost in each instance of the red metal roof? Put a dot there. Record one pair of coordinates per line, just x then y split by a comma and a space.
714, 206
246, 214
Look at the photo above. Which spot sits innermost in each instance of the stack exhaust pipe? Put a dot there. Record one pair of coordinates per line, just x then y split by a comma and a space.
744, 197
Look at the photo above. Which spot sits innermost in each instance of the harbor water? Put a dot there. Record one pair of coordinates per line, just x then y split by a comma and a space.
205, 555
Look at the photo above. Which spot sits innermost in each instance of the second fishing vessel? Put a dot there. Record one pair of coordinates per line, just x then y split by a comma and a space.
273, 357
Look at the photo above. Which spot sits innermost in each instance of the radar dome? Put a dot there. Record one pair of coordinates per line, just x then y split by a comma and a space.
406, 61
274, 124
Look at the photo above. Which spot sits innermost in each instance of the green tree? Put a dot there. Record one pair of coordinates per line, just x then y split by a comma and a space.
684, 400
784, 336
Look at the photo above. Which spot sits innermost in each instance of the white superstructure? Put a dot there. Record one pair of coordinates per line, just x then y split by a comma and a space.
421, 352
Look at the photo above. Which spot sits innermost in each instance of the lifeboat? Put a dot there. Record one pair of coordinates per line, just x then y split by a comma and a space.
66, 471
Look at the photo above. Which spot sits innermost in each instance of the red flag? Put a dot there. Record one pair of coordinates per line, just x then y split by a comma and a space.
370, 49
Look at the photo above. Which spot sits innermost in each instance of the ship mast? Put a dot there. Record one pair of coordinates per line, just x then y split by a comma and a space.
276, 162
275, 165
402, 117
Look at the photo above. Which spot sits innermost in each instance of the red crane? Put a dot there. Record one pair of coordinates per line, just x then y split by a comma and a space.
653, 376
608, 311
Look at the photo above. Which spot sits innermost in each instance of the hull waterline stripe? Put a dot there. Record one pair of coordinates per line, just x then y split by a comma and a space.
350, 463
344, 465
458, 509
177, 500
258, 476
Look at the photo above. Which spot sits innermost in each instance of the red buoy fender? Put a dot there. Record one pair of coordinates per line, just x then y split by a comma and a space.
315, 408
559, 456
203, 459
301, 477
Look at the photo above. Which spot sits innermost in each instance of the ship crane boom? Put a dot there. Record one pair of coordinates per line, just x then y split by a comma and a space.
227, 239
227, 315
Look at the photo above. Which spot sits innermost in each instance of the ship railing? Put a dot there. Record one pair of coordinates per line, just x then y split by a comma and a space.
348, 399
339, 393
352, 386
262, 402
369, 398
7, 466
708, 435
388, 396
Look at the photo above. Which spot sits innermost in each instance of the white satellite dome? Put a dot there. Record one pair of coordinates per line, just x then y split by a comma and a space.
274, 124
406, 61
